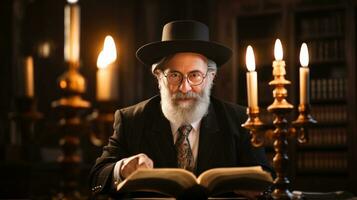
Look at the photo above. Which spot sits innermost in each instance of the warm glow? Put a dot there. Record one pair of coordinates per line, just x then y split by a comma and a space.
72, 1
102, 61
63, 84
278, 50
44, 49
109, 53
304, 55
249, 59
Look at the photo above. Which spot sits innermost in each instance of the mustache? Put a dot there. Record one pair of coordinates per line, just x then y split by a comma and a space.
188, 95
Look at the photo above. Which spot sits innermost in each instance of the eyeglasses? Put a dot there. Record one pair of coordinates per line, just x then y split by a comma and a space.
193, 78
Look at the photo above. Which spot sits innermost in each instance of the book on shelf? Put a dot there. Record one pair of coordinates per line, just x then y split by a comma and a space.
176, 182
327, 136
330, 114
324, 161
328, 89
323, 25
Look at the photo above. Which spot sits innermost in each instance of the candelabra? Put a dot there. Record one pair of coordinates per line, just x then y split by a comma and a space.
71, 109
282, 129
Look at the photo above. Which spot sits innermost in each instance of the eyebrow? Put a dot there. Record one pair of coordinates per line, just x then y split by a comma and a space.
172, 71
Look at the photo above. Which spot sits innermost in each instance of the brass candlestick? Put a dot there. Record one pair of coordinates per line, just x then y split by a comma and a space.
282, 129
70, 108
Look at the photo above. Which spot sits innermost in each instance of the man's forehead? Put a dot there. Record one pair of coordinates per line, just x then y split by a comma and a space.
187, 61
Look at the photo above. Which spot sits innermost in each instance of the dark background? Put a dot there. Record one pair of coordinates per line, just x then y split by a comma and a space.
26, 24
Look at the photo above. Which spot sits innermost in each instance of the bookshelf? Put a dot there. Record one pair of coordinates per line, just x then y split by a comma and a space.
326, 154
327, 161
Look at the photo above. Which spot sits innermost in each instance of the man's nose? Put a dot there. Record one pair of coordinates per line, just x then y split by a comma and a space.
185, 86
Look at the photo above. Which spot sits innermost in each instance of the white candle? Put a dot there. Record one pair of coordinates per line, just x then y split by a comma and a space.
278, 50
107, 74
278, 63
304, 75
103, 86
252, 79
72, 32
29, 77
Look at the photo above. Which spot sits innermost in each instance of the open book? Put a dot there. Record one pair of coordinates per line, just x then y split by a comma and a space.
175, 182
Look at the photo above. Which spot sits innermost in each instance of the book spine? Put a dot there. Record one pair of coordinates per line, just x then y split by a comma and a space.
323, 161
330, 113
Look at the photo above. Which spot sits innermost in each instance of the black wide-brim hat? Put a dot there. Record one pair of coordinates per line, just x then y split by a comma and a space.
184, 36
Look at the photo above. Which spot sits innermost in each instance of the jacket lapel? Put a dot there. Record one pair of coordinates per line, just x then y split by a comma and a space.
209, 132
161, 140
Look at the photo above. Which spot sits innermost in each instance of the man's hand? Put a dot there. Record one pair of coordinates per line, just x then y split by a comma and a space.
135, 162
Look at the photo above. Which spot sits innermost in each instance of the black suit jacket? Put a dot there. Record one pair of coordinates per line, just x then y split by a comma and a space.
143, 128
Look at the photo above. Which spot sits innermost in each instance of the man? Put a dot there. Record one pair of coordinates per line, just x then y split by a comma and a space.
183, 126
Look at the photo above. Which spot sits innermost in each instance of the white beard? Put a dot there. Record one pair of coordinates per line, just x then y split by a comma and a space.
181, 113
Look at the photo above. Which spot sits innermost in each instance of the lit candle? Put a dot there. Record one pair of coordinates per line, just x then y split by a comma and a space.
28, 76
304, 75
278, 50
107, 74
71, 31
278, 63
252, 83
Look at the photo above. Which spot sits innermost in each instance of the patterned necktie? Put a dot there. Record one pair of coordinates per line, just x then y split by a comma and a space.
185, 158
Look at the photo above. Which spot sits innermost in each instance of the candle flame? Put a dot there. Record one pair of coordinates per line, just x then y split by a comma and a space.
304, 55
72, 1
278, 50
249, 59
109, 53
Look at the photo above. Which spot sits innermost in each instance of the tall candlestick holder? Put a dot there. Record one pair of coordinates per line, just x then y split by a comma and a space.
281, 127
71, 109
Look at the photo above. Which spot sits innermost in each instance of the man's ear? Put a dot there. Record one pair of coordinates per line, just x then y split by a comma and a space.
157, 74
213, 74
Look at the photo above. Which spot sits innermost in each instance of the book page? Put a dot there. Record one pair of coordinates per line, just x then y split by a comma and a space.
235, 178
168, 181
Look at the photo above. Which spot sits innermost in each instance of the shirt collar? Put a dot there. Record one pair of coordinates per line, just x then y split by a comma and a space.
195, 125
